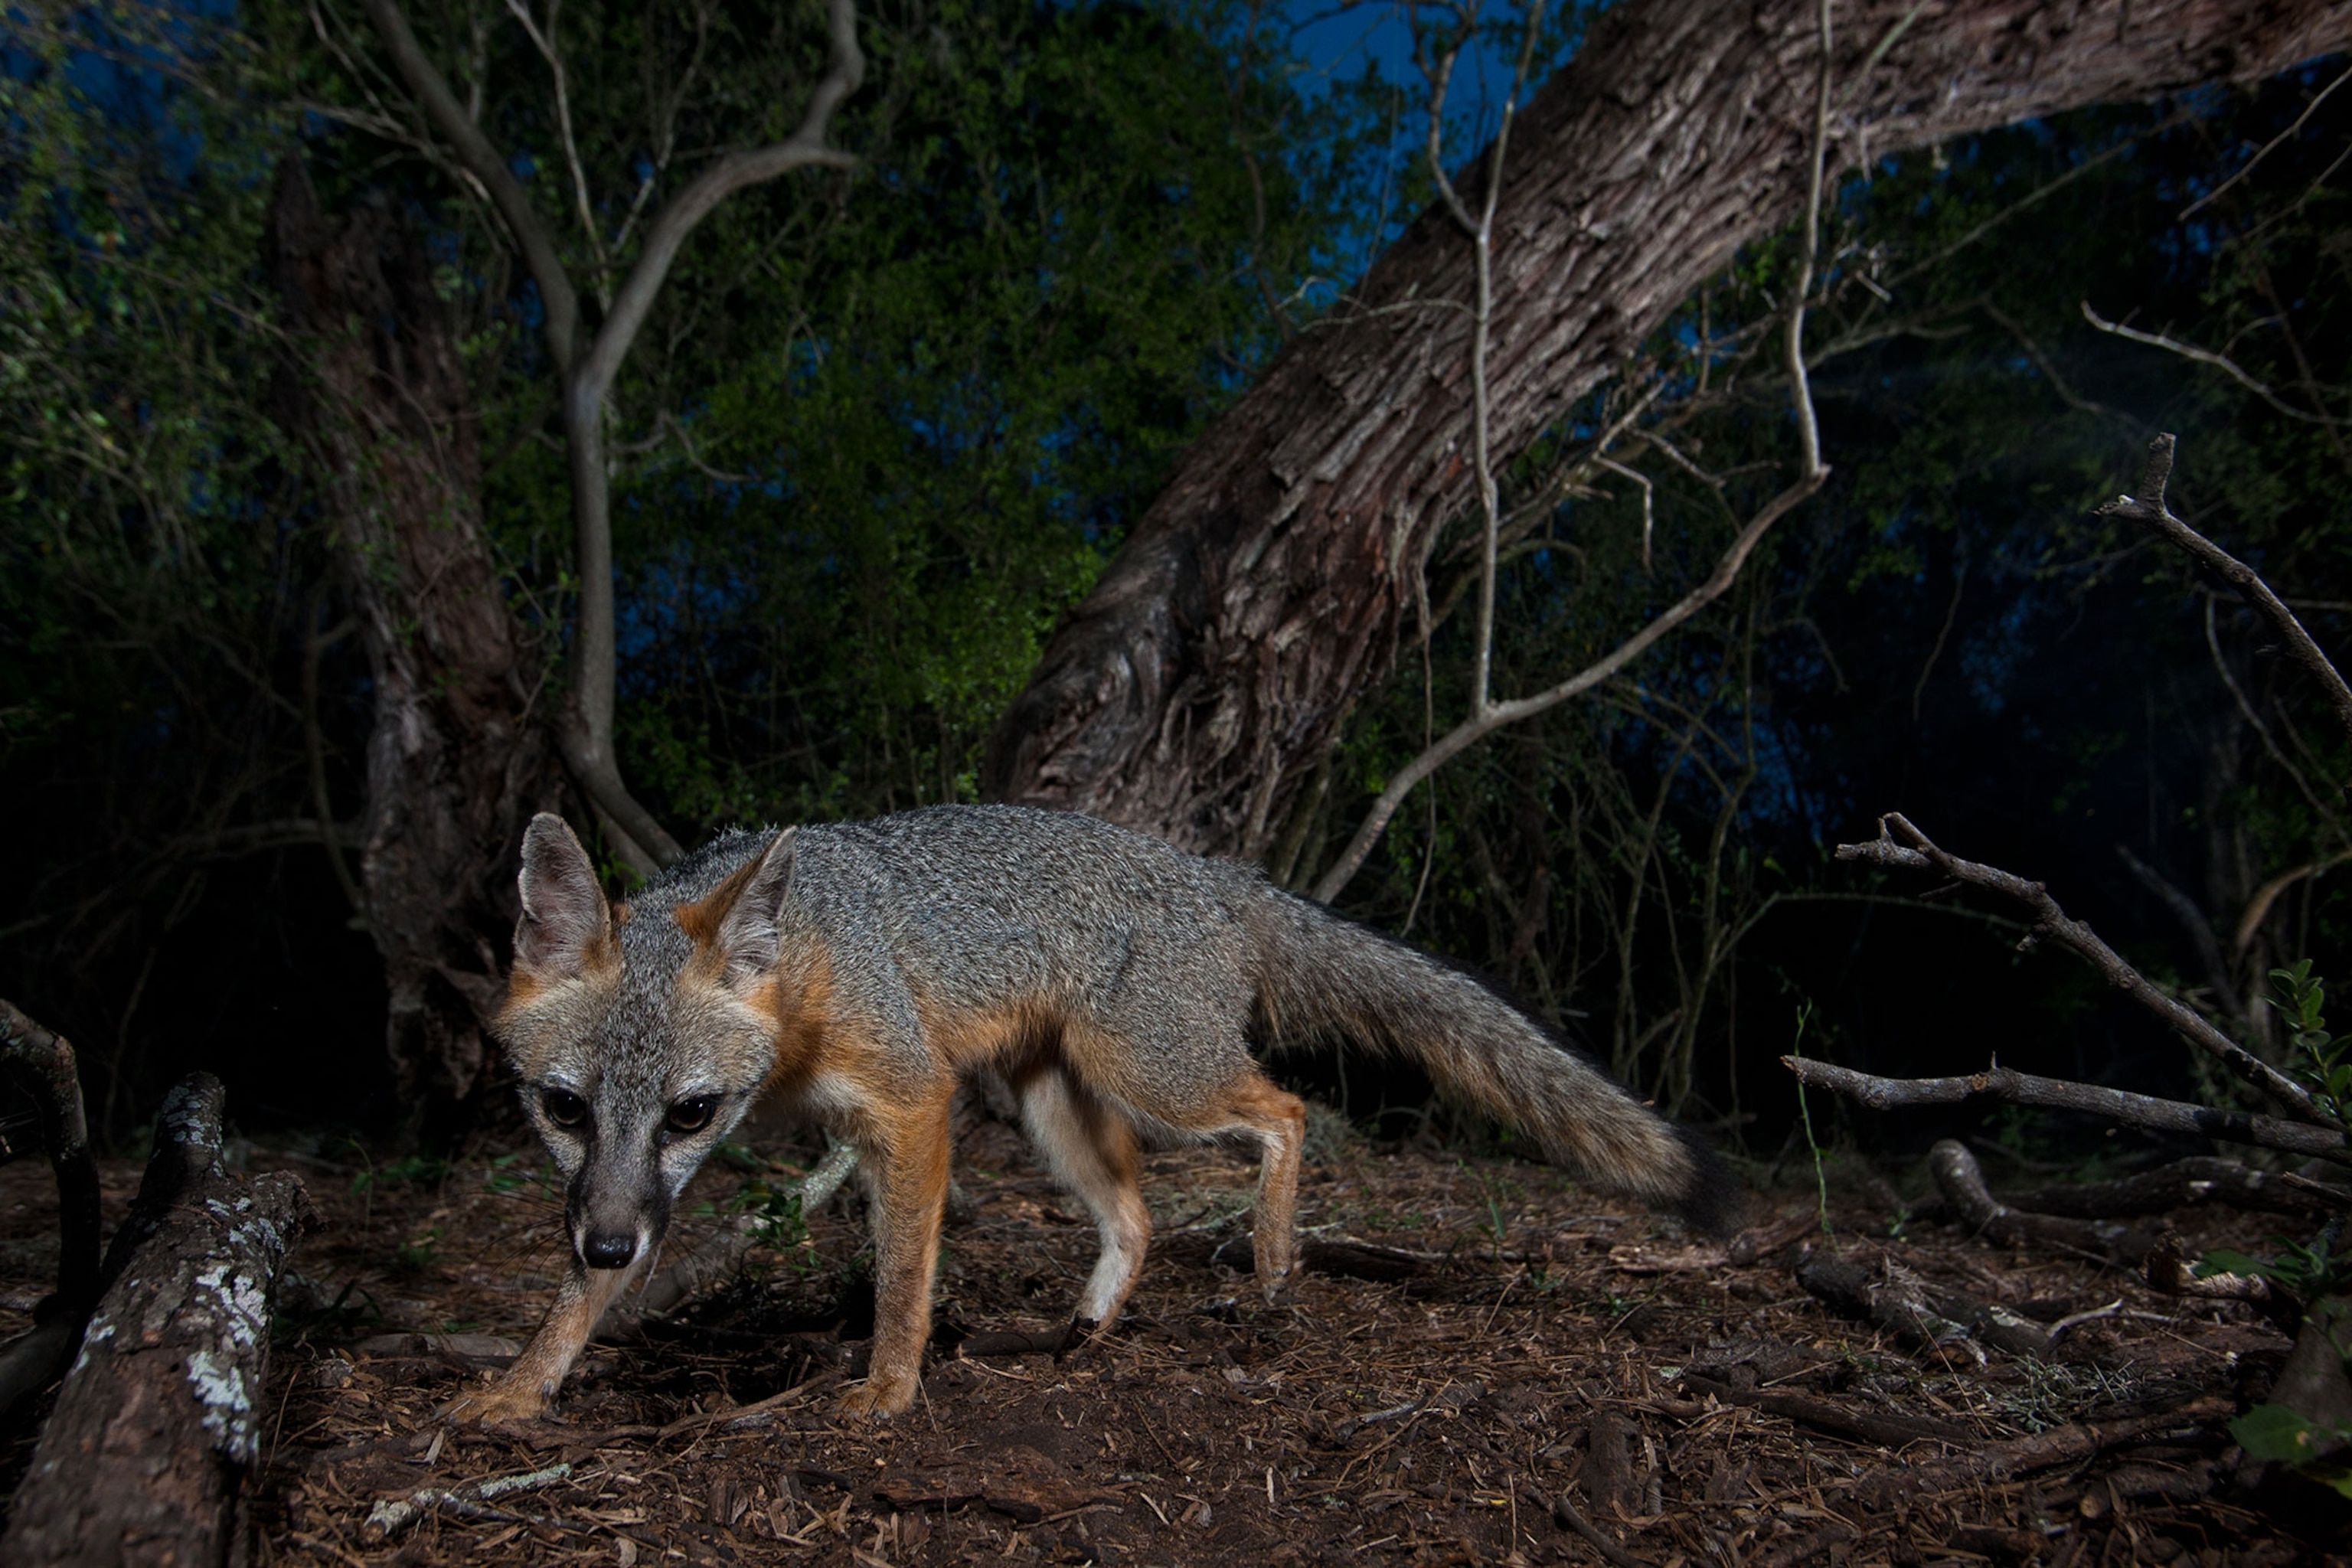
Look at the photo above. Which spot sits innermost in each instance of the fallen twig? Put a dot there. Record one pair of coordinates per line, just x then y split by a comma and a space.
1887, 1431
2115, 1104
470, 1500
2068, 1445
1564, 1514
1915, 1311
2148, 507
2187, 1183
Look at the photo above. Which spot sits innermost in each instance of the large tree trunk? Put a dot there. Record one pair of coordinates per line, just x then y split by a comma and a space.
456, 760
1270, 584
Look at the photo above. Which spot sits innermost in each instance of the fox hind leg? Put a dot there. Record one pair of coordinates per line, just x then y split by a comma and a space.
1278, 1121
1091, 1148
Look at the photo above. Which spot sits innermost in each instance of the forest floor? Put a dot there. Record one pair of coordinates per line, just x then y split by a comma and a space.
1542, 1346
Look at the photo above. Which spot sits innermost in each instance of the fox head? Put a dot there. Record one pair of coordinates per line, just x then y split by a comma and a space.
640, 1035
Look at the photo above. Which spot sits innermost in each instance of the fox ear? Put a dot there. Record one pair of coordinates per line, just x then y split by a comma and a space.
747, 929
566, 926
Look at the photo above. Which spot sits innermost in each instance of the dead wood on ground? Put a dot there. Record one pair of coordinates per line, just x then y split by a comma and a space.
161, 1418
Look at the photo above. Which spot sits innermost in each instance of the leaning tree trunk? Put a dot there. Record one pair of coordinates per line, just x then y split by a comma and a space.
456, 760
1269, 584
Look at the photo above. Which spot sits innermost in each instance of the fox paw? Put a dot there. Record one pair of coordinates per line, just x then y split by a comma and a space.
499, 1402
874, 1399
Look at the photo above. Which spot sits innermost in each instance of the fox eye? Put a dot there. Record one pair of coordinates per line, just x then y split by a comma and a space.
564, 1108
692, 1115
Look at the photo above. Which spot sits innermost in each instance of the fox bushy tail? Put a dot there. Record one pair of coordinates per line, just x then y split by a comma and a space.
1322, 978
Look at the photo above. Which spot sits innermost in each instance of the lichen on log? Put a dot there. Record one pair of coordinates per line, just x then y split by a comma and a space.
159, 1419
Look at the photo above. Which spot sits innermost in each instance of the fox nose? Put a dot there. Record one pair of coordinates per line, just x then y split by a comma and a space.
609, 1249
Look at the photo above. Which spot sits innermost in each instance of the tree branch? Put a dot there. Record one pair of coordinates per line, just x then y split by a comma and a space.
2149, 507
2221, 363
1471, 731
2059, 1094
482, 161
844, 71
1920, 853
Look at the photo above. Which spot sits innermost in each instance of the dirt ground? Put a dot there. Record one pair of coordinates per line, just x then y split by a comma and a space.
1541, 1362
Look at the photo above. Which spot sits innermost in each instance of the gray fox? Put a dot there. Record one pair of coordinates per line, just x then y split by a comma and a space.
859, 970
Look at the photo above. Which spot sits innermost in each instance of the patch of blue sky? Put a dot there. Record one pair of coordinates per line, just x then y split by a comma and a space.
1349, 43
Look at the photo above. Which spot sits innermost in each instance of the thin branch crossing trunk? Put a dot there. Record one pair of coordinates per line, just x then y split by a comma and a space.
1271, 583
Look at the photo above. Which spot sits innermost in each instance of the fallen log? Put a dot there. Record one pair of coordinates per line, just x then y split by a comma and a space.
1963, 1185
158, 1420
42, 1064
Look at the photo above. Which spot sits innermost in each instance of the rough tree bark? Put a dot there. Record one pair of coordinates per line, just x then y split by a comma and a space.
161, 1418
456, 761
1272, 581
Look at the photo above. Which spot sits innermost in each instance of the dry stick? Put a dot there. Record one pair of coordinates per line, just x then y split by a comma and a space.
2066, 1445
2149, 507
1962, 1180
1913, 1310
2186, 1184
1486, 716
2115, 1104
1920, 853
42, 1064
1884, 1430
2221, 363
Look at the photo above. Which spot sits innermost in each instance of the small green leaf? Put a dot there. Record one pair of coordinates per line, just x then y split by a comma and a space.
2274, 1432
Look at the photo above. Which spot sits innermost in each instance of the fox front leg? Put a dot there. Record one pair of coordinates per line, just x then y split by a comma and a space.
526, 1391
910, 1196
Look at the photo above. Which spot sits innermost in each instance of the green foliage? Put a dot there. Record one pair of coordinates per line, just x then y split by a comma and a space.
2273, 1432
775, 1213
2306, 1270
2322, 1061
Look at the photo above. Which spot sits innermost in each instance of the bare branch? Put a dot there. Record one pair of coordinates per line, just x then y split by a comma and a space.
1471, 731
2193, 919
544, 42
1919, 852
2221, 363
1486, 716
679, 216
2149, 507
2269, 147
2060, 1094
482, 161
1808, 427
